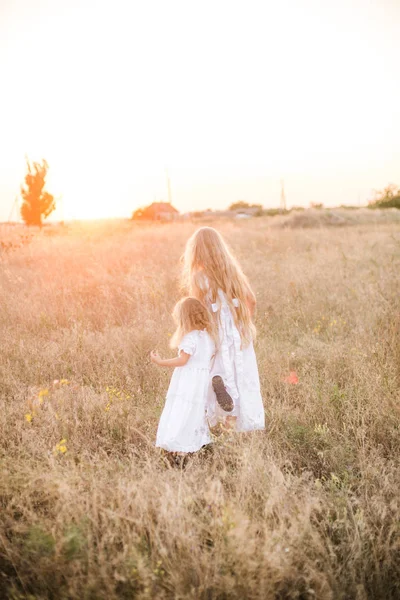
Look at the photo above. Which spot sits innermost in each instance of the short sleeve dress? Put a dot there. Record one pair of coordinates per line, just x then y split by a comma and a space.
183, 426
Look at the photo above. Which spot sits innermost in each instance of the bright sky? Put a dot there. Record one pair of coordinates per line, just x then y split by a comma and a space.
230, 95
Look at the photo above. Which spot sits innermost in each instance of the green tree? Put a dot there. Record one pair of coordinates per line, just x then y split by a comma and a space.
389, 197
37, 204
242, 205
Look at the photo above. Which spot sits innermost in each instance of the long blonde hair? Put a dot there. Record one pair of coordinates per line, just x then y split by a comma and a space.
190, 314
209, 265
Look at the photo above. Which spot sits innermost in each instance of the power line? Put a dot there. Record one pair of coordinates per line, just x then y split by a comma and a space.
283, 197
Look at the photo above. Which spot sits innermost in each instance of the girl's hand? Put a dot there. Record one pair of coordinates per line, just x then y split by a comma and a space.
178, 361
155, 357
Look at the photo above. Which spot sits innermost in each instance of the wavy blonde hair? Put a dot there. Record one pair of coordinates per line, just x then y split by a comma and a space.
209, 265
190, 314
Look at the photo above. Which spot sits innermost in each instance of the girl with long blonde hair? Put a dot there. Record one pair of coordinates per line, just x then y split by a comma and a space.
212, 274
183, 426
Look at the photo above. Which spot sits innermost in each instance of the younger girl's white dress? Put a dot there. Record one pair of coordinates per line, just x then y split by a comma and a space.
237, 366
183, 426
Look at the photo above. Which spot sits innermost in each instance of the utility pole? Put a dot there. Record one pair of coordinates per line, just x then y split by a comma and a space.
15, 204
283, 198
168, 187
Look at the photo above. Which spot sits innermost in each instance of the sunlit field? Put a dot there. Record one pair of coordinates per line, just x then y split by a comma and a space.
308, 509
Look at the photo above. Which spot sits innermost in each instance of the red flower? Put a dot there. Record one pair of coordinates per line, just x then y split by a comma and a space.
291, 378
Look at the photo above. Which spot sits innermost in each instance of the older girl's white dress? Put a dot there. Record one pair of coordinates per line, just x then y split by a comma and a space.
183, 425
238, 368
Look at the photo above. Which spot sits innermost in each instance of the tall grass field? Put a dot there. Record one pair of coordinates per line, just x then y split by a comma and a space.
307, 509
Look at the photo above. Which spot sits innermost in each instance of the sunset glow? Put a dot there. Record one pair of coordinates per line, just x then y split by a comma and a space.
229, 96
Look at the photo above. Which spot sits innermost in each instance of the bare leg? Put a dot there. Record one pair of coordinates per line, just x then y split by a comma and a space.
230, 423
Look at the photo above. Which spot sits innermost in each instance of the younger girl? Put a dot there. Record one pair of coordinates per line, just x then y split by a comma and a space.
213, 275
183, 426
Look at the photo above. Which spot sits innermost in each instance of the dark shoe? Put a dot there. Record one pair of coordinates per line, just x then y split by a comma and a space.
223, 398
176, 460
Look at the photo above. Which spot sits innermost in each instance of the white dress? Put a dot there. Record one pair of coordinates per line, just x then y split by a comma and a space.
183, 425
238, 368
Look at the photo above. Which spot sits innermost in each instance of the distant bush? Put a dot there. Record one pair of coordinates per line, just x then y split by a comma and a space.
317, 205
242, 206
389, 197
138, 214
272, 212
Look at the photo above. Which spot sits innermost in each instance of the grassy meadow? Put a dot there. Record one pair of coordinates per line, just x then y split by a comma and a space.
308, 509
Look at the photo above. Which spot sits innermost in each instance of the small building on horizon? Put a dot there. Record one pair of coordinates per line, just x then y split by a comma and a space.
157, 211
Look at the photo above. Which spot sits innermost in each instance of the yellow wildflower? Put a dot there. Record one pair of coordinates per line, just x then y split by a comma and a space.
61, 447
43, 393
321, 429
28, 417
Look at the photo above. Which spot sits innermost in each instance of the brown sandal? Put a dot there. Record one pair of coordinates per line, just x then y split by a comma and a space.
223, 398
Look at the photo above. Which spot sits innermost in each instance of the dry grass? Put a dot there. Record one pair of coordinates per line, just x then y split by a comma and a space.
337, 217
307, 509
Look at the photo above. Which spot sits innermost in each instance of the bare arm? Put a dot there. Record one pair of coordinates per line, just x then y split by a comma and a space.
178, 361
